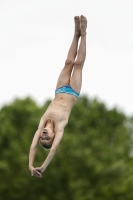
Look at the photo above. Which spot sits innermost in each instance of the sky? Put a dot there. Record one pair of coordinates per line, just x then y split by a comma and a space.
35, 36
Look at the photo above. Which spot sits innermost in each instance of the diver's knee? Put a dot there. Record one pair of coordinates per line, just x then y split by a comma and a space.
69, 61
79, 62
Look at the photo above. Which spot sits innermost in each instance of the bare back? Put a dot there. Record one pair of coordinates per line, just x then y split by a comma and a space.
59, 109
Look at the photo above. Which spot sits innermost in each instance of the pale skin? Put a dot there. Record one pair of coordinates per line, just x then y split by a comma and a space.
54, 120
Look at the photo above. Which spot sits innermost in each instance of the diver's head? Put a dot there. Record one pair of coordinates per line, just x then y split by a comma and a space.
46, 138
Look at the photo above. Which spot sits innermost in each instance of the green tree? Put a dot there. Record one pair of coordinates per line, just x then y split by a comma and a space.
93, 161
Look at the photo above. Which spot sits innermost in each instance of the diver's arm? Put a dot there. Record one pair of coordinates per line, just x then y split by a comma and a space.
34, 144
53, 149
33, 147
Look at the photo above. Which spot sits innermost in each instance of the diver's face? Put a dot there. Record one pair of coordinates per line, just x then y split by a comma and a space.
47, 135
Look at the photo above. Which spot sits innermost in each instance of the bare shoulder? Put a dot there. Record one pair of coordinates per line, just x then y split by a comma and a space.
42, 121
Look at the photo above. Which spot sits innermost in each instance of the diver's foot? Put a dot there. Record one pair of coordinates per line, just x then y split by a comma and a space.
77, 26
83, 22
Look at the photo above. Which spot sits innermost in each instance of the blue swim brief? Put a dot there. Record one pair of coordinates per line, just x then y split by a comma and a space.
67, 89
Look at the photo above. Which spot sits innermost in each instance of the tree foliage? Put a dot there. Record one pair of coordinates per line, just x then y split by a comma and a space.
93, 161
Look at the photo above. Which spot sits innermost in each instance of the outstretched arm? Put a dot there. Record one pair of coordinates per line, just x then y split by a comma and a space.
33, 147
34, 144
52, 152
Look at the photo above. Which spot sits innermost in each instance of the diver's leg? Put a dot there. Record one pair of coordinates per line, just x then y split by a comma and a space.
76, 80
64, 77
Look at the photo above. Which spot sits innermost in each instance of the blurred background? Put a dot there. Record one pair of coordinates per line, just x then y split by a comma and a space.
94, 160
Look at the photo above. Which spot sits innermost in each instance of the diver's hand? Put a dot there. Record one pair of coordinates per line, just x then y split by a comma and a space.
34, 172
39, 170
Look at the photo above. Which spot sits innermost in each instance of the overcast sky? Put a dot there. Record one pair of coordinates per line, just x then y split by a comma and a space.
34, 39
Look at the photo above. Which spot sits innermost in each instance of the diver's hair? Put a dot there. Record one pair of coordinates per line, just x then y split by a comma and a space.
46, 146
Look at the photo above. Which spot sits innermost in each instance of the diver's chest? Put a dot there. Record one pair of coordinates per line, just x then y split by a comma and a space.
58, 113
